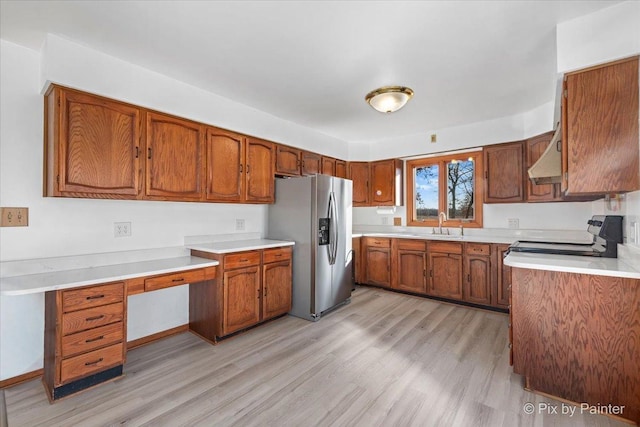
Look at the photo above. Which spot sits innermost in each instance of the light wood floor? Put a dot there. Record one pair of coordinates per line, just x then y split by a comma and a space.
386, 359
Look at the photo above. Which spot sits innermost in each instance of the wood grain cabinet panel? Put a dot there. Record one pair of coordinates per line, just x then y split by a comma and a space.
92, 146
377, 253
174, 153
359, 174
341, 169
504, 173
600, 152
174, 279
409, 265
477, 280
311, 163
91, 318
92, 362
288, 160
502, 286
241, 299
91, 339
386, 179
575, 336
225, 166
445, 276
543, 192
328, 166
277, 254
94, 296
276, 288
259, 171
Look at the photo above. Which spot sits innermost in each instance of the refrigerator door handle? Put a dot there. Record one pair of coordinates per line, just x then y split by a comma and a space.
334, 228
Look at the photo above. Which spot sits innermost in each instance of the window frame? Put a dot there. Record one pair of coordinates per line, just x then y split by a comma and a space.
441, 161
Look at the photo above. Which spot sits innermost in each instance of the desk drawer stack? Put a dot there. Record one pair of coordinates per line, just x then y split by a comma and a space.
84, 337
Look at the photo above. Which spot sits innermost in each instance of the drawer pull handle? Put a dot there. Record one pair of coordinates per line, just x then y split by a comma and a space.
278, 255
94, 339
244, 260
95, 297
94, 362
89, 319
178, 280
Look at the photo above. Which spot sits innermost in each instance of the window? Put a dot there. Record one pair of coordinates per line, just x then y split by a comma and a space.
450, 184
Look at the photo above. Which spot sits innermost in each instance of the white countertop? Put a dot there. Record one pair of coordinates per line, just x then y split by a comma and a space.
612, 267
238, 245
51, 281
440, 237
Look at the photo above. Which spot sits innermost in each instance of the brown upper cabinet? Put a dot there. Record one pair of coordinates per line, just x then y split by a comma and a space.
328, 166
311, 163
359, 174
534, 147
239, 168
100, 148
386, 178
341, 169
93, 146
288, 160
174, 153
600, 153
504, 173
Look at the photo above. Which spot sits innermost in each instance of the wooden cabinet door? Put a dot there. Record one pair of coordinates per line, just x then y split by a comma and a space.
359, 174
328, 166
276, 289
174, 152
410, 274
378, 261
543, 192
386, 179
288, 160
241, 299
311, 163
503, 278
445, 277
600, 130
504, 173
98, 146
341, 169
259, 172
225, 157
477, 279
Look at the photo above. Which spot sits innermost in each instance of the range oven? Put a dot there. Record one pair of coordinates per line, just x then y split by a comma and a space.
606, 231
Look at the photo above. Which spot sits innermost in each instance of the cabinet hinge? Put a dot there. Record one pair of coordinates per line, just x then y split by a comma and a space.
486, 174
564, 93
58, 179
58, 102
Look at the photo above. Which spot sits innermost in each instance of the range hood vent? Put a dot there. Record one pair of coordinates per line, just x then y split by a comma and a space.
548, 168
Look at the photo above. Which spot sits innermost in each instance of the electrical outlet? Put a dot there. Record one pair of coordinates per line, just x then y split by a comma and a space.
385, 220
122, 229
434, 138
14, 217
239, 224
513, 223
397, 221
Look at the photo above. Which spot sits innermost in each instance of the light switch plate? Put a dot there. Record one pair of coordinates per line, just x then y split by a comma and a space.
514, 223
14, 217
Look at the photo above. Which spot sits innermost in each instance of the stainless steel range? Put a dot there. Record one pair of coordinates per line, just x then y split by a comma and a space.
606, 231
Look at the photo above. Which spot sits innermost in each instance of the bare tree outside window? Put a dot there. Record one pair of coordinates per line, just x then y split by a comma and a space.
460, 189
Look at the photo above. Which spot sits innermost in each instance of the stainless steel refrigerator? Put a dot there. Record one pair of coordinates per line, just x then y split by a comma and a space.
315, 212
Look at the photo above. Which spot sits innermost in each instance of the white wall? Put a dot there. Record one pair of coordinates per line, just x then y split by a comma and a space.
599, 37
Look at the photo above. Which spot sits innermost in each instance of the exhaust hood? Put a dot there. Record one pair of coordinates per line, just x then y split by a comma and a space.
548, 168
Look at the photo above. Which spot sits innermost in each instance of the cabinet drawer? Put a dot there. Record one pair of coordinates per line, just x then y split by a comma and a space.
92, 362
380, 243
79, 299
447, 247
93, 338
277, 254
411, 245
242, 259
91, 318
175, 279
478, 249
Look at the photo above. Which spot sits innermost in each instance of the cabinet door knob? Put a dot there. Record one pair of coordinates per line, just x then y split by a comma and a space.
149, 153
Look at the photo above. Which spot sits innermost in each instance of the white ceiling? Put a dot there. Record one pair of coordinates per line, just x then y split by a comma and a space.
313, 62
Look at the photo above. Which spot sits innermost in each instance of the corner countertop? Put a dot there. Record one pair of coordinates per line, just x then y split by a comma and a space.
238, 245
64, 279
612, 267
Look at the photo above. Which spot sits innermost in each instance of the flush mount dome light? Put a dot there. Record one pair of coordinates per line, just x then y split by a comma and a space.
389, 98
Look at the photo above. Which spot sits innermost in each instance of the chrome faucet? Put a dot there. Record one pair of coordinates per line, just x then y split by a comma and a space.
440, 220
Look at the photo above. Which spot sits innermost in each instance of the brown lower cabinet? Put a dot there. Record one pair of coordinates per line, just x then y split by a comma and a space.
575, 336
470, 272
255, 286
85, 330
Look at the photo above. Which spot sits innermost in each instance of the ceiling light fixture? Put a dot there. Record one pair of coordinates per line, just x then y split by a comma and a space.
389, 98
